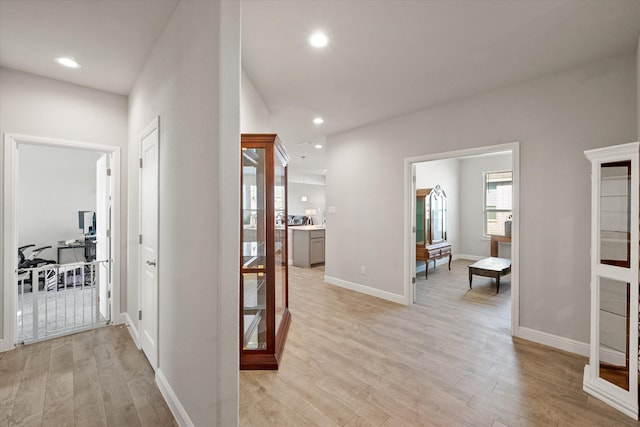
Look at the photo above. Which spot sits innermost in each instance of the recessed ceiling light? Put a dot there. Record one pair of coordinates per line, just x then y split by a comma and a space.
318, 40
318, 146
68, 61
318, 120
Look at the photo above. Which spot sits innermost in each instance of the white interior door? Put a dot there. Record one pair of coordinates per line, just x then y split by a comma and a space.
103, 230
148, 314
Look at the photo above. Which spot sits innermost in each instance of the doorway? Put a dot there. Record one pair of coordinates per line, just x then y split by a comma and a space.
61, 227
446, 170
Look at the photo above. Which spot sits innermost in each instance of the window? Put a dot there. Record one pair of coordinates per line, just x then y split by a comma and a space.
497, 201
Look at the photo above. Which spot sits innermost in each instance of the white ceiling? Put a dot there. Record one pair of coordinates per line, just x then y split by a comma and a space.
111, 39
385, 57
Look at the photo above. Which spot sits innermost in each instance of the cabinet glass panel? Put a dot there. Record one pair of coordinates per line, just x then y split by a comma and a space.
615, 213
614, 332
253, 212
254, 314
280, 240
437, 213
420, 221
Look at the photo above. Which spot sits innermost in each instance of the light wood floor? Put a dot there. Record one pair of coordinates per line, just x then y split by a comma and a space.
94, 378
354, 360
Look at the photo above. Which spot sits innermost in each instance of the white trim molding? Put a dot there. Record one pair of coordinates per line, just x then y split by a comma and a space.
131, 325
409, 215
10, 243
555, 341
178, 411
468, 257
3, 344
367, 290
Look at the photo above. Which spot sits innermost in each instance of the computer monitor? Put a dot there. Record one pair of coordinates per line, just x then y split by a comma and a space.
87, 222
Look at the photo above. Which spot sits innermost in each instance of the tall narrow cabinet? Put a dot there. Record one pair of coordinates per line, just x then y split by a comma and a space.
264, 306
612, 372
431, 226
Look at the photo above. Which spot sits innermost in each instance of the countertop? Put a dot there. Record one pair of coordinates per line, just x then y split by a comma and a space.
306, 227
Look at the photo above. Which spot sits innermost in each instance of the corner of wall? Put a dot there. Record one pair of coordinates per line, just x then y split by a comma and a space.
178, 411
133, 331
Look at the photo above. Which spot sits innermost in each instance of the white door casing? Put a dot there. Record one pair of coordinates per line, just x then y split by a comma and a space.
9, 226
410, 236
103, 226
148, 243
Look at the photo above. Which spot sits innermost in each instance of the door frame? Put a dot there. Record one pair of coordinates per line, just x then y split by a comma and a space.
9, 226
154, 125
409, 235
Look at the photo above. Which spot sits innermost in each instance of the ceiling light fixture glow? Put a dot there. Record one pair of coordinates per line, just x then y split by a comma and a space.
318, 146
318, 40
318, 120
68, 61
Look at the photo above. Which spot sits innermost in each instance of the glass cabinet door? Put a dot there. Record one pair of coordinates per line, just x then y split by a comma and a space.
280, 240
613, 320
436, 212
615, 213
420, 221
254, 290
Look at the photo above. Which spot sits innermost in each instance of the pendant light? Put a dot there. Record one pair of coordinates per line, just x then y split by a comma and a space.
303, 198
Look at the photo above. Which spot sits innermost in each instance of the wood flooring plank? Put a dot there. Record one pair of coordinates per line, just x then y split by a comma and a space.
60, 413
30, 397
86, 379
123, 416
85, 375
447, 360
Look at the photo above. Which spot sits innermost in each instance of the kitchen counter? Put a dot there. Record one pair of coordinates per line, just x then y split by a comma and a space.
308, 245
306, 227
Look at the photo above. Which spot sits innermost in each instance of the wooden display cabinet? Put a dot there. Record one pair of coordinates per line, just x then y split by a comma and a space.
264, 308
431, 226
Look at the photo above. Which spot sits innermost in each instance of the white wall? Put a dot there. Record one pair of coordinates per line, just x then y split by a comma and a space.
472, 203
37, 106
54, 183
254, 114
188, 78
555, 118
315, 200
445, 173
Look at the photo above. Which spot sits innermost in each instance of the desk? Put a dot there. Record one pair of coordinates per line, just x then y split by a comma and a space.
490, 267
494, 243
77, 252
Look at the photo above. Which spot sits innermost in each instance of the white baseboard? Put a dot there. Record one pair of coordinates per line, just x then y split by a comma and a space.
555, 341
124, 317
5, 347
603, 391
170, 397
469, 257
367, 290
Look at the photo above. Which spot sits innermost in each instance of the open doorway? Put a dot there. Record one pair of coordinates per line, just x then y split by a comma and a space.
60, 228
465, 231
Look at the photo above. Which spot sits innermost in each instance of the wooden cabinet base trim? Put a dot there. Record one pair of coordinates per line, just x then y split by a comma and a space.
252, 360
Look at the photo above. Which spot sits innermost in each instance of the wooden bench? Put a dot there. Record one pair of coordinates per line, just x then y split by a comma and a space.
490, 267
